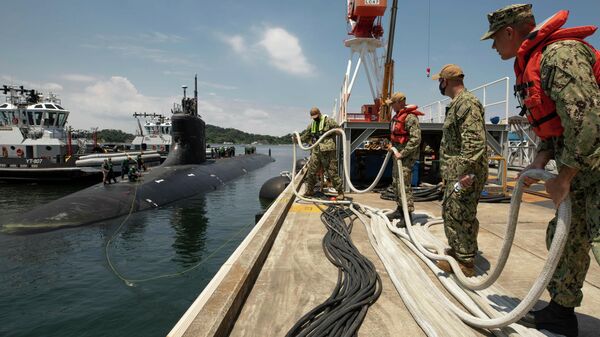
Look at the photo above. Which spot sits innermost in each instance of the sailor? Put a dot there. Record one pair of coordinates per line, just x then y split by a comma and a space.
322, 156
125, 167
463, 154
140, 162
557, 83
111, 172
405, 135
133, 173
105, 172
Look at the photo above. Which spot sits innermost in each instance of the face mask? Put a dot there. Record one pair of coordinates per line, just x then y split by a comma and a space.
442, 89
316, 119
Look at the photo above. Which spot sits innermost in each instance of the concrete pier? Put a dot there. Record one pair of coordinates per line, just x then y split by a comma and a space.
280, 272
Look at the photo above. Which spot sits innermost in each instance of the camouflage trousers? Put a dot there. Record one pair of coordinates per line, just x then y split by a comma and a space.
407, 164
459, 211
565, 285
326, 160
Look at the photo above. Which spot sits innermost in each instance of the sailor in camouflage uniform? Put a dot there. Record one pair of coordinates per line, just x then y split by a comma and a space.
570, 97
405, 134
322, 156
463, 154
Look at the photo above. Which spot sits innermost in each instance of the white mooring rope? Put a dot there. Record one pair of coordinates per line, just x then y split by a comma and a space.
422, 242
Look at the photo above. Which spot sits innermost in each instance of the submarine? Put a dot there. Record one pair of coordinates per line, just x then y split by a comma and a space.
184, 173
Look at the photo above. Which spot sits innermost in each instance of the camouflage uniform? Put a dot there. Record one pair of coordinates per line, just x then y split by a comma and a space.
410, 154
463, 151
324, 155
567, 78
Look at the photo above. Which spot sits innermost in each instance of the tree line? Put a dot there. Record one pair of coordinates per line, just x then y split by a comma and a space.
214, 134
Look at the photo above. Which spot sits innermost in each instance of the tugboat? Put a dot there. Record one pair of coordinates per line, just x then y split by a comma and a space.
155, 135
34, 142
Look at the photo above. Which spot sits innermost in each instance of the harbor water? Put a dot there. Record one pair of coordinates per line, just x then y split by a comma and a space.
60, 283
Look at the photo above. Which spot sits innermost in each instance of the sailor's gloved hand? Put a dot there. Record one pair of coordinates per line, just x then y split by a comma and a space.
466, 180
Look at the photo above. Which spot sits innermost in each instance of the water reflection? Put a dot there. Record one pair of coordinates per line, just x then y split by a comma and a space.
189, 222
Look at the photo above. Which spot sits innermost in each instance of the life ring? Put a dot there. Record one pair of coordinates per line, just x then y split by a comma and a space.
153, 147
19, 153
15, 120
162, 148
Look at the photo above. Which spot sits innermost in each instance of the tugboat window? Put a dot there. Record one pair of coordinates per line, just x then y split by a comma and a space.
48, 148
61, 119
51, 119
38, 117
50, 106
4, 105
60, 107
3, 118
30, 117
39, 106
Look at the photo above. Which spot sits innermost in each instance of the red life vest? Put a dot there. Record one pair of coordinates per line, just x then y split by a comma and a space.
397, 126
539, 107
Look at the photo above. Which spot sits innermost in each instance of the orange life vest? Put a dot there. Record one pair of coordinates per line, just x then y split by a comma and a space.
539, 107
398, 133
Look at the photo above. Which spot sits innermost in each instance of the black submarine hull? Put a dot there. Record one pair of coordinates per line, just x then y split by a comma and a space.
160, 186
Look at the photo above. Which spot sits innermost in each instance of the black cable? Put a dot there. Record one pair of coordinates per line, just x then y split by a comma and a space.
358, 285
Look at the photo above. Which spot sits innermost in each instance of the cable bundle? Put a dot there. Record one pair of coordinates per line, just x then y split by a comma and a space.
357, 288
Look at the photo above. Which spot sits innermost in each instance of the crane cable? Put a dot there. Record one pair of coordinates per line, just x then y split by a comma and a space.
429, 39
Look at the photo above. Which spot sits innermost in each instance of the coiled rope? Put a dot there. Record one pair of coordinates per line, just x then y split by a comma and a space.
431, 252
358, 285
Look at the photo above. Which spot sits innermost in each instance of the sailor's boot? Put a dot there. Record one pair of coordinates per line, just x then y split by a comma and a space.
555, 318
402, 221
468, 268
310, 192
397, 214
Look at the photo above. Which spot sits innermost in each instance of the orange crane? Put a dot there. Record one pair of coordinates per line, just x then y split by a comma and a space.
364, 17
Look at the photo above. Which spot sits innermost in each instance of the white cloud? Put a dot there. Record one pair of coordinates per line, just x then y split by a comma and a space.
252, 117
110, 104
256, 113
236, 42
78, 78
153, 37
285, 52
283, 49
43, 87
157, 37
216, 85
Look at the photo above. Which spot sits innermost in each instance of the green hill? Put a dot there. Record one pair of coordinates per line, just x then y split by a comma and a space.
214, 134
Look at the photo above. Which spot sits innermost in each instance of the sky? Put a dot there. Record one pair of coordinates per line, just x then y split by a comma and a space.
261, 64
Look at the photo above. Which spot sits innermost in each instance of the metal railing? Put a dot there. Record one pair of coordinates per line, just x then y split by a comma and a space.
435, 112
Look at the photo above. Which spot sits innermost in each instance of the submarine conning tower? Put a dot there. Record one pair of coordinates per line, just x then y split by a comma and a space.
187, 132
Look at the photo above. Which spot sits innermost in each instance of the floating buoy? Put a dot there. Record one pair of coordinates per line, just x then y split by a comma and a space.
300, 164
273, 187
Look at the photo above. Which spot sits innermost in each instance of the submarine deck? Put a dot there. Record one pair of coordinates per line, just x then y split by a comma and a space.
253, 298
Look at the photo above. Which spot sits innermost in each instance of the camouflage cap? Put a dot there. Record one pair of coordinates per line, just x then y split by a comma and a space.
396, 97
506, 16
449, 72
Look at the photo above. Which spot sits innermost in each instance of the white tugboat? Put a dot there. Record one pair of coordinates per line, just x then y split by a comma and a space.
34, 141
154, 135
36, 144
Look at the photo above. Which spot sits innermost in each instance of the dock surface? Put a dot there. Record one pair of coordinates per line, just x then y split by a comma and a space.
296, 276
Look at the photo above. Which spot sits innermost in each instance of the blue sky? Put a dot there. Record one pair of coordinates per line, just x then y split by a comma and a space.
261, 64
